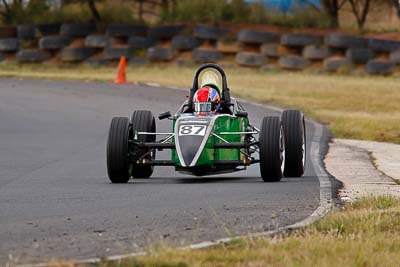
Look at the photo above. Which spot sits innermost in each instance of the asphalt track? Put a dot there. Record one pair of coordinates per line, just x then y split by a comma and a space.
57, 202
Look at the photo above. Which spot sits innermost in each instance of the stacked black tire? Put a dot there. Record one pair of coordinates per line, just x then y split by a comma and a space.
282, 146
122, 154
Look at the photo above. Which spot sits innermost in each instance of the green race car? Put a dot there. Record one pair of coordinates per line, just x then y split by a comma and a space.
219, 141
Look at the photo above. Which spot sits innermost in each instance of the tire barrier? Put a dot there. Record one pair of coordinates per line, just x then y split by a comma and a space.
116, 52
49, 29
185, 43
380, 67
293, 62
9, 45
126, 30
296, 39
333, 64
32, 56
141, 42
76, 54
257, 37
54, 42
159, 54
164, 32
359, 55
228, 47
98, 41
97, 61
315, 52
270, 50
250, 59
395, 57
381, 45
209, 33
26, 32
77, 30
267, 50
205, 55
338, 40
8, 32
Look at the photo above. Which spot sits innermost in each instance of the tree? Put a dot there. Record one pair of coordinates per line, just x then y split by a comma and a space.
332, 8
360, 9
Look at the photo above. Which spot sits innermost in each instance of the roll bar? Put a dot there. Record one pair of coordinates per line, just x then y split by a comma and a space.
226, 96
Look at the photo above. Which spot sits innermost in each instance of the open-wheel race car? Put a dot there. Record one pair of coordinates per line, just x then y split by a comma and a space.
211, 134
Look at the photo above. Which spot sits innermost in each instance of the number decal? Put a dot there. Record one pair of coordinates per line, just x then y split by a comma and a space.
192, 130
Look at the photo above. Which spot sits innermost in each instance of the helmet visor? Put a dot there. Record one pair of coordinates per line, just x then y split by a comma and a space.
202, 107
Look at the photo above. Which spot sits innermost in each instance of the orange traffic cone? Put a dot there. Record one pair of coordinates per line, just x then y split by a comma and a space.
121, 77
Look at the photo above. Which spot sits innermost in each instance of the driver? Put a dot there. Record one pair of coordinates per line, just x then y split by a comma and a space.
206, 101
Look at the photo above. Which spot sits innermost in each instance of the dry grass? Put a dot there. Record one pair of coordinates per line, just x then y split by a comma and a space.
366, 233
364, 108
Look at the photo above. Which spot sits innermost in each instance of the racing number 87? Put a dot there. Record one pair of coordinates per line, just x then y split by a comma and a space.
192, 130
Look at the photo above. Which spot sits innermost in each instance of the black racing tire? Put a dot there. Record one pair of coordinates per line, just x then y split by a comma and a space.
298, 39
272, 149
116, 52
32, 56
54, 42
26, 32
126, 30
76, 54
257, 37
9, 45
332, 64
8, 32
395, 57
165, 32
185, 43
159, 54
206, 55
49, 29
77, 29
143, 121
141, 42
207, 32
295, 143
117, 150
316, 52
250, 59
293, 62
98, 41
380, 67
359, 55
381, 45
339, 40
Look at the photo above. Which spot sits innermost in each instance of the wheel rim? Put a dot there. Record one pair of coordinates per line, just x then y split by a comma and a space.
282, 149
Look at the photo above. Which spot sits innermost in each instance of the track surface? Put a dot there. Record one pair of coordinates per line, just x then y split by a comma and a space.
56, 199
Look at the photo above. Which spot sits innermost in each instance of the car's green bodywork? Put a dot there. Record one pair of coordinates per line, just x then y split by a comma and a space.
209, 154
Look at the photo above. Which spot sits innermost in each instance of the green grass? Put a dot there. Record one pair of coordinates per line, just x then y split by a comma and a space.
365, 108
366, 233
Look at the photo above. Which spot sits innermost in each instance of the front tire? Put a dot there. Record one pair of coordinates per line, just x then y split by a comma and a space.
295, 140
272, 149
143, 121
117, 150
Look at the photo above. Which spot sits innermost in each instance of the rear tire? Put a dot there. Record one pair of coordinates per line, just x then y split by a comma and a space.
272, 149
143, 121
117, 150
295, 140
